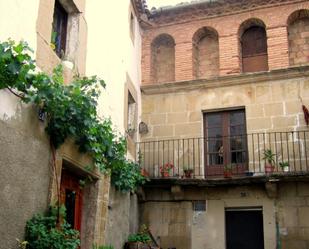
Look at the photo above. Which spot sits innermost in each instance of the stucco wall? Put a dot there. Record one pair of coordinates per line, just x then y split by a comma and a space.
112, 55
24, 149
25, 161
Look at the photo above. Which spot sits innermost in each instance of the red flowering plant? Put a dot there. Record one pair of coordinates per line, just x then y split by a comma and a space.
166, 168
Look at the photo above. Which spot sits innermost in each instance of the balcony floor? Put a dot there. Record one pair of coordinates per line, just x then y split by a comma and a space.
234, 180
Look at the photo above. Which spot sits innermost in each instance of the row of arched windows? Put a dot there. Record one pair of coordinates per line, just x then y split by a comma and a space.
252, 49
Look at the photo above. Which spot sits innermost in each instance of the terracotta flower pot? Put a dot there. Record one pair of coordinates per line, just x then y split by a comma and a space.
269, 168
188, 173
227, 174
165, 174
136, 245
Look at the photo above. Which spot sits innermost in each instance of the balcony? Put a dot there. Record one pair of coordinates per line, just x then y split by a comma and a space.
226, 158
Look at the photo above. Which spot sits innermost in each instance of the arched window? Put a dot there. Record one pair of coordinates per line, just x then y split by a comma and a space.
298, 35
254, 47
163, 59
205, 53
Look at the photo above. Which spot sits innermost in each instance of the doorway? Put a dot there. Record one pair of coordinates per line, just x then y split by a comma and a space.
225, 142
71, 197
244, 228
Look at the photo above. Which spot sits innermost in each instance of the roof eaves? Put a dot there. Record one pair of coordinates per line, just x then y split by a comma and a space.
183, 5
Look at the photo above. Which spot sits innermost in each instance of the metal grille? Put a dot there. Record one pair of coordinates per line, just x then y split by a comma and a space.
199, 206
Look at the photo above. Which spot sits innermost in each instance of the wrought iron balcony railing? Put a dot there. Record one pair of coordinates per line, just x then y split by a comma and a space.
217, 157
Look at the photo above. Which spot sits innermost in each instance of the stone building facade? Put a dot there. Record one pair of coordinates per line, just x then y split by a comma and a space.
223, 82
206, 85
67, 32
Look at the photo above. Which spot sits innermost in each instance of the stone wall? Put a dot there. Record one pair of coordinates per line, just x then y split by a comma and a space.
269, 106
175, 224
122, 218
169, 222
227, 28
293, 215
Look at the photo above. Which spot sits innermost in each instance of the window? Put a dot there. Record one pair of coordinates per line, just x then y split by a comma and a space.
225, 141
59, 30
254, 49
131, 128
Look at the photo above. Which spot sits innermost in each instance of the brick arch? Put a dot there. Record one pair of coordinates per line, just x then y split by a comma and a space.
253, 45
250, 23
298, 37
163, 59
205, 53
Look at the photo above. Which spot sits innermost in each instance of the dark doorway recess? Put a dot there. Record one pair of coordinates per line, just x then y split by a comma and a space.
71, 198
244, 228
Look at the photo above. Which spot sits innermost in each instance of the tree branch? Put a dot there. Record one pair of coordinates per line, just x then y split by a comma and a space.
16, 94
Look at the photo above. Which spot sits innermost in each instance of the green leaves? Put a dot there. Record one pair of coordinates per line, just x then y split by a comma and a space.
71, 112
42, 232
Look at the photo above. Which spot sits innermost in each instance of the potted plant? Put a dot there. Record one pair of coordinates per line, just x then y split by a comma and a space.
285, 166
140, 240
228, 170
187, 171
269, 158
165, 169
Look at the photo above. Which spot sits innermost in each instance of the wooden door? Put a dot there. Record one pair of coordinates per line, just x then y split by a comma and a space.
225, 142
71, 197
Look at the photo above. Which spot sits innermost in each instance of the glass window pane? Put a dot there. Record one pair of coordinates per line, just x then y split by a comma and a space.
237, 143
214, 119
238, 157
237, 118
215, 145
214, 133
237, 130
215, 159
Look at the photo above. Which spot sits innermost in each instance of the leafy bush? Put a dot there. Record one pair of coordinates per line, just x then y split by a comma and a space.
139, 237
71, 111
42, 232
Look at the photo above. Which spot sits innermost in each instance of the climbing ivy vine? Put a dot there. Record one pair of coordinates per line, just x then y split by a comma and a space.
70, 110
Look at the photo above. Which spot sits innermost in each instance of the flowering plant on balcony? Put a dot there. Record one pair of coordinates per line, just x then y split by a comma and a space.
166, 168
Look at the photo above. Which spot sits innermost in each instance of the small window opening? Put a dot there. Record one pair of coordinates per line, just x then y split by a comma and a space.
131, 129
199, 206
59, 30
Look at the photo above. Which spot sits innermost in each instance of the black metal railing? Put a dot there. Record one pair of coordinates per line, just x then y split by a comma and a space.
217, 157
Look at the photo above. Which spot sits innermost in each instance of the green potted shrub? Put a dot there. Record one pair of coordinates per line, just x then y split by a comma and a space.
140, 240
285, 166
269, 158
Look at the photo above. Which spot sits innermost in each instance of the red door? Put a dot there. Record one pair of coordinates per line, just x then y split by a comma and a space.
225, 142
71, 197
